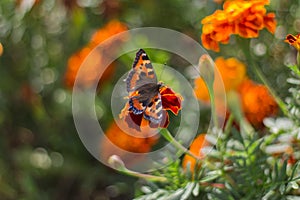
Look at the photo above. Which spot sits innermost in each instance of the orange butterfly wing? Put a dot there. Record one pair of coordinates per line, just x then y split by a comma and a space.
142, 72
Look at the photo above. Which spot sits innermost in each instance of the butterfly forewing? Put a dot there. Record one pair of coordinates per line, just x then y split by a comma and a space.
142, 72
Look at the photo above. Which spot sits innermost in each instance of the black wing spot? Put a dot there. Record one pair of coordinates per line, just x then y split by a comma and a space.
151, 73
143, 74
150, 104
148, 65
145, 57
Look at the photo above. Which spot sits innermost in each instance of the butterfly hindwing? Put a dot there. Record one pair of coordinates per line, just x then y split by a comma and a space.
154, 110
142, 72
136, 106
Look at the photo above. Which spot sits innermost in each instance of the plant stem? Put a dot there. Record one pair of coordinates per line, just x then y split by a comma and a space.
247, 52
213, 105
116, 162
146, 176
167, 135
263, 79
228, 125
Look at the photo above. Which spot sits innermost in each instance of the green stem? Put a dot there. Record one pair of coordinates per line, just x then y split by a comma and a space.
167, 135
247, 52
263, 79
115, 162
228, 125
213, 105
146, 176
298, 59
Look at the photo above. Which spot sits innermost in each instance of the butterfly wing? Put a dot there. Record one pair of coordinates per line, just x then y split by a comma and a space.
142, 72
136, 106
154, 110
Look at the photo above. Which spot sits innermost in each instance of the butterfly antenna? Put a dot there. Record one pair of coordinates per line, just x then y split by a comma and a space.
162, 71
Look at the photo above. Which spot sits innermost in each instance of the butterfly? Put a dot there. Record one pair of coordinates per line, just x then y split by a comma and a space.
147, 96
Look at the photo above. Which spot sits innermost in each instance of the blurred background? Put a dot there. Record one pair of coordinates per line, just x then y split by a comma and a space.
42, 45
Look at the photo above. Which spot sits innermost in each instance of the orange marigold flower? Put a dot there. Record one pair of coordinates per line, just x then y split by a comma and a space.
95, 64
293, 40
89, 76
257, 102
232, 72
197, 145
120, 136
111, 28
244, 18
1, 49
126, 141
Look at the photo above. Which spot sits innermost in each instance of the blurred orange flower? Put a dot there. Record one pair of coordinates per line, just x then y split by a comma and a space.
120, 136
89, 74
293, 40
111, 28
257, 102
93, 67
232, 72
195, 148
1, 49
241, 17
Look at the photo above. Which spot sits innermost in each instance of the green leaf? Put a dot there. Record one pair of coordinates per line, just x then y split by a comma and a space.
188, 190
210, 177
295, 167
295, 69
176, 195
282, 189
282, 174
196, 190
294, 185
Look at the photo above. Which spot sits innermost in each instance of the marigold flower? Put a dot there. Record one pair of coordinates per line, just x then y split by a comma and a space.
111, 28
94, 65
293, 40
120, 136
197, 145
89, 77
170, 101
1, 49
257, 102
232, 72
244, 18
